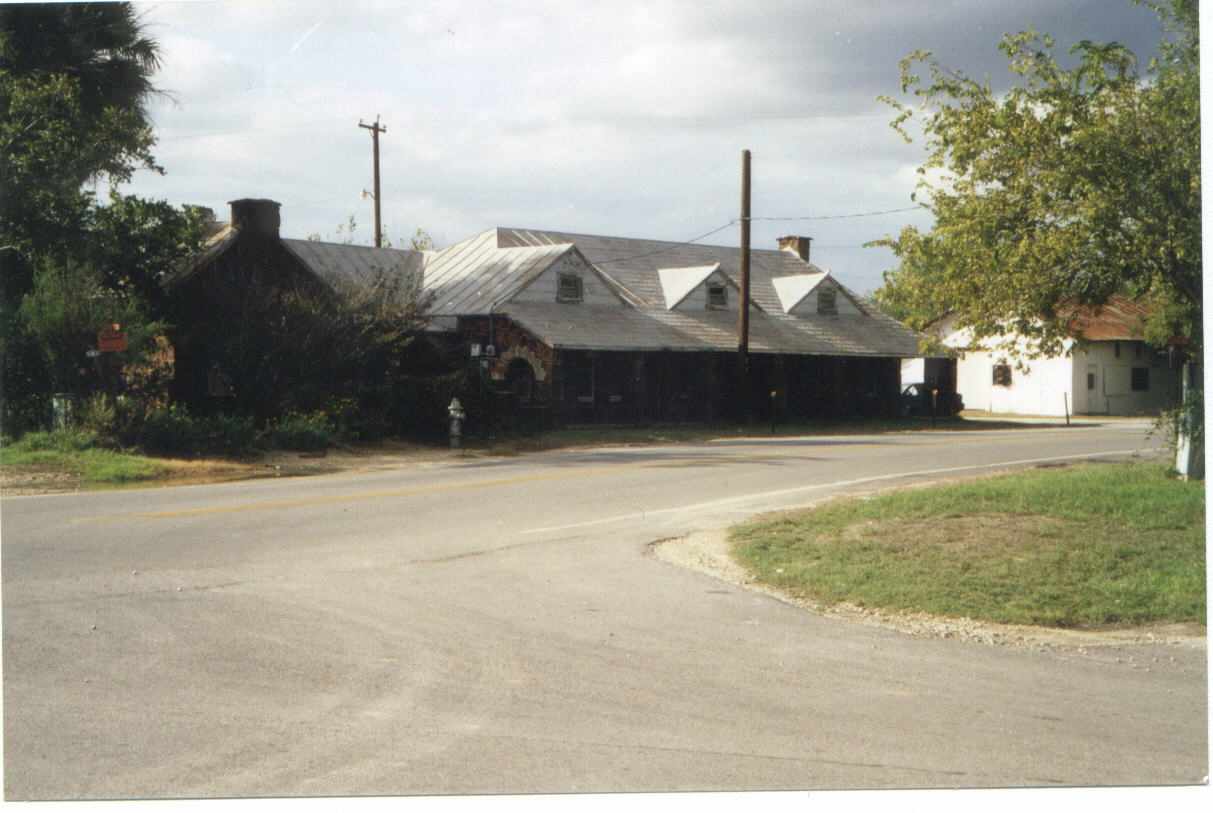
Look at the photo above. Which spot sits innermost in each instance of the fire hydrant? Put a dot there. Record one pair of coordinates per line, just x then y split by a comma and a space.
455, 410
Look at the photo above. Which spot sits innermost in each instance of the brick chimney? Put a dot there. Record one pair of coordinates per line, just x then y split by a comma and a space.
256, 216
797, 245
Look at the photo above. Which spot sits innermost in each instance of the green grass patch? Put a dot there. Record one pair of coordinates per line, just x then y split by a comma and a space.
1083, 546
75, 454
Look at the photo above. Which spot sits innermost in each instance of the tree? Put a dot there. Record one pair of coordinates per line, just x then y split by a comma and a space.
74, 82
1075, 184
292, 343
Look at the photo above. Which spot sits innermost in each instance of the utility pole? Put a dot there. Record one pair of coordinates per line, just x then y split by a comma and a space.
375, 131
743, 314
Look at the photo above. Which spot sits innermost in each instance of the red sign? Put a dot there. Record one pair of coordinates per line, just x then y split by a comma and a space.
1177, 340
111, 339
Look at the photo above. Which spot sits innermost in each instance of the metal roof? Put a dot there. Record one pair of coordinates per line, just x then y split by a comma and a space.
361, 265
482, 274
213, 247
635, 265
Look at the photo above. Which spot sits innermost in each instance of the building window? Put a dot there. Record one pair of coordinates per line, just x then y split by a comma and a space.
1002, 375
569, 288
1090, 381
718, 297
1139, 379
1116, 349
827, 304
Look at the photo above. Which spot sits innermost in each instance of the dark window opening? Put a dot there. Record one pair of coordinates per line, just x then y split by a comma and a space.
569, 288
1002, 375
718, 297
1090, 381
1140, 379
827, 304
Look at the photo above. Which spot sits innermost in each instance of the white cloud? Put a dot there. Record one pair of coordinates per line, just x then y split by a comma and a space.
624, 117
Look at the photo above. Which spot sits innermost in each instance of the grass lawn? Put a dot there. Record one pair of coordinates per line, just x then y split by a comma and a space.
1083, 546
76, 453
74, 459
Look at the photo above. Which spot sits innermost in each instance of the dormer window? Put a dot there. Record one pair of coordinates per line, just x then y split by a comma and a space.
827, 304
568, 288
718, 297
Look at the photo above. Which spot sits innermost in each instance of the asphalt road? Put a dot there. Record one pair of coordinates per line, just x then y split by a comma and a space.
500, 627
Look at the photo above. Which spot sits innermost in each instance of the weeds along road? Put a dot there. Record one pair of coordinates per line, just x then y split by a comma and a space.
499, 627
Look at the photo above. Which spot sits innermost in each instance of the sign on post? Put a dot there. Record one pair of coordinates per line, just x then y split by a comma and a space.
111, 339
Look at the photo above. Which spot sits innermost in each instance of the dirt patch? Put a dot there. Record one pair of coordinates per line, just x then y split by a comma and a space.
708, 552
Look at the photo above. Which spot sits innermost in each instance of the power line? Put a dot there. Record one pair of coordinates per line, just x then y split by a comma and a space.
670, 246
843, 217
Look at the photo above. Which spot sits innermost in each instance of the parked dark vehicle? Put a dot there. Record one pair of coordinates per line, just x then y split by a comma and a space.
916, 400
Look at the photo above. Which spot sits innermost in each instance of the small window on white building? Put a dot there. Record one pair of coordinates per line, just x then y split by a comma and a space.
1002, 375
718, 297
1139, 379
827, 303
569, 288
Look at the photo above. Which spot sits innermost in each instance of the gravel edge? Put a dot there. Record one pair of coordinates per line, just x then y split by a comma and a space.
708, 552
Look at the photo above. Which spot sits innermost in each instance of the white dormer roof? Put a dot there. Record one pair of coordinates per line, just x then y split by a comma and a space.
677, 283
792, 290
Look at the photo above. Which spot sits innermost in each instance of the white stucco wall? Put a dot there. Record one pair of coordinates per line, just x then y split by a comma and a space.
1110, 388
1039, 389
1046, 386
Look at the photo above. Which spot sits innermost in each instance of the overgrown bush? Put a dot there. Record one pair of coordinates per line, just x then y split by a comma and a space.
117, 424
171, 431
352, 422
300, 432
228, 436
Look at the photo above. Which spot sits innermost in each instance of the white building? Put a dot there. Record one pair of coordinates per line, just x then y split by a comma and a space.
1110, 371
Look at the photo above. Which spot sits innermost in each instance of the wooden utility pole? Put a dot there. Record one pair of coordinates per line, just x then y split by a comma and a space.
375, 131
743, 314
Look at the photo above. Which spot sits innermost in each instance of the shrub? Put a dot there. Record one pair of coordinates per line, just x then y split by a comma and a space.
229, 436
117, 424
298, 432
169, 430
353, 422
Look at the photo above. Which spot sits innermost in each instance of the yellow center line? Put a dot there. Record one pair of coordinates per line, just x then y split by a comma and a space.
532, 478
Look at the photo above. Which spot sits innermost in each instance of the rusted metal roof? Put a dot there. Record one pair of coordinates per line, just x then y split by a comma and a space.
1119, 318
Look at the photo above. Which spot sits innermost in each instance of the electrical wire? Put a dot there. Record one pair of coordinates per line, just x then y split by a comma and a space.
669, 246
843, 217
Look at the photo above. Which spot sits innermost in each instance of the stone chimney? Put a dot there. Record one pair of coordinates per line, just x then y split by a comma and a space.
258, 217
797, 245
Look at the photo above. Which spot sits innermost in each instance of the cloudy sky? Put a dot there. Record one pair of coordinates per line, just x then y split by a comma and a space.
621, 118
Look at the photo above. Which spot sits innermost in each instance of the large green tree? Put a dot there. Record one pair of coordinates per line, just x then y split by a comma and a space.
1080, 181
75, 79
